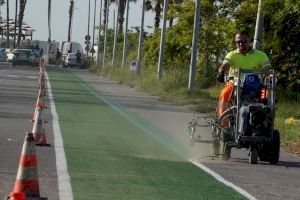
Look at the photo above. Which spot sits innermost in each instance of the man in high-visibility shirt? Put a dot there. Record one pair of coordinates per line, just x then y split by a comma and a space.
244, 57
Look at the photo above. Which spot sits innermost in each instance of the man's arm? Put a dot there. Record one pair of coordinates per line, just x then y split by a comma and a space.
224, 68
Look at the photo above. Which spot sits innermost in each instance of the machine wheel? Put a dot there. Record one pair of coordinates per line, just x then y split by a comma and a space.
275, 147
192, 131
263, 154
253, 156
226, 152
225, 149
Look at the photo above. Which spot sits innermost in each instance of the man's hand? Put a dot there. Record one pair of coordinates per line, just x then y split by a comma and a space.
221, 77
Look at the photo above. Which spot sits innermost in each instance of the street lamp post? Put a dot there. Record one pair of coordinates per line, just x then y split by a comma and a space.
93, 50
139, 60
162, 41
105, 34
258, 26
194, 46
99, 34
125, 35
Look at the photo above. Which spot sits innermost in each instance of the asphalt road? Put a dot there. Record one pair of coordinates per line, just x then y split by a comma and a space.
18, 91
18, 94
263, 181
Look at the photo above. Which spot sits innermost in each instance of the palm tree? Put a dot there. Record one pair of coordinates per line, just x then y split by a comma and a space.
122, 4
21, 17
49, 20
70, 19
171, 18
157, 8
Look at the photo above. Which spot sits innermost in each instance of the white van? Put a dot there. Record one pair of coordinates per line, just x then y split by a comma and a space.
70, 47
53, 46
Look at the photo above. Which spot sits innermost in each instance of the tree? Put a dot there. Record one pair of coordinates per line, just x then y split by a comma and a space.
121, 7
157, 8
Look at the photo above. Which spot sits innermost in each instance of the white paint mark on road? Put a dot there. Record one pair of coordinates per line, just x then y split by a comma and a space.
18, 76
64, 184
222, 180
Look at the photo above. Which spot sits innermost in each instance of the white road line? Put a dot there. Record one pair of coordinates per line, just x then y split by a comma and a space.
222, 180
64, 185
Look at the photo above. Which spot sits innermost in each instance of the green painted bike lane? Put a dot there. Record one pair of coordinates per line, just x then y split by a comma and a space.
112, 154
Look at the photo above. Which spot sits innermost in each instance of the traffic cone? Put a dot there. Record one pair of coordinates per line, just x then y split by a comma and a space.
40, 99
27, 184
38, 129
17, 196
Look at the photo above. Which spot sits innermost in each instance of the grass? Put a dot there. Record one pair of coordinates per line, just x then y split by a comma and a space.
205, 100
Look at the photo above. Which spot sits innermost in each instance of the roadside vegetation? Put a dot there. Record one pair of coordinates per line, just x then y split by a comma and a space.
219, 21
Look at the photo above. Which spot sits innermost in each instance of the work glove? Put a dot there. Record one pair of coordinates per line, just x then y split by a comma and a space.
221, 77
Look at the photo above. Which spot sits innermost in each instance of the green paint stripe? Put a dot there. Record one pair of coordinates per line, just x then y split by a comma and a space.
113, 155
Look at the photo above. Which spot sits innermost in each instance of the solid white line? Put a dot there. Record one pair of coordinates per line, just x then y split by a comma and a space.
222, 180
64, 185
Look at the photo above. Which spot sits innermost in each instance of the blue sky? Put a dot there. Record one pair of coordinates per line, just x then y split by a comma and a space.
36, 17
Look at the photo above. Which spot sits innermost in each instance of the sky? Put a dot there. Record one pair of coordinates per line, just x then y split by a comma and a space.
36, 16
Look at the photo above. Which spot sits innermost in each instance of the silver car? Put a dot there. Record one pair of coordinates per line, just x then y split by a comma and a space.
23, 57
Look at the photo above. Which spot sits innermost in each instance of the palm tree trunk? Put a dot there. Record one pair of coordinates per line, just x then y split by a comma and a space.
104, 11
21, 17
158, 10
171, 18
70, 20
7, 24
49, 20
122, 4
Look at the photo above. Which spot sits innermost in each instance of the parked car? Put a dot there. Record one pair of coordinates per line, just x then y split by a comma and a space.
23, 57
70, 60
3, 55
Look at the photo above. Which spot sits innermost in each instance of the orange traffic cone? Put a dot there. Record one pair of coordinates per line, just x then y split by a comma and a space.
27, 184
40, 103
41, 80
38, 129
40, 100
17, 196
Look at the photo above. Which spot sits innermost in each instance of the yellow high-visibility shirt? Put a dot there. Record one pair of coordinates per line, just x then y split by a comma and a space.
254, 59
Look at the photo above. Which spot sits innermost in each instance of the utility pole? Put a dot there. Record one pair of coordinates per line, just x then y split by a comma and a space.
162, 41
70, 19
116, 37
99, 34
139, 60
93, 42
7, 24
105, 34
16, 19
125, 35
194, 46
258, 26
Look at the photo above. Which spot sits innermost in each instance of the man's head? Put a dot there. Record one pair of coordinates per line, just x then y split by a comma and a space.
242, 41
